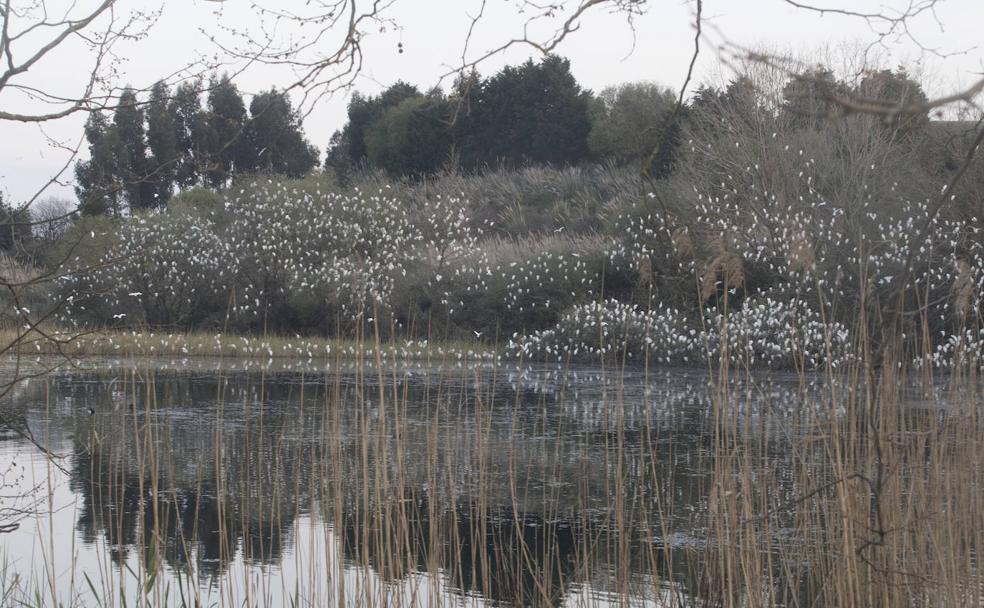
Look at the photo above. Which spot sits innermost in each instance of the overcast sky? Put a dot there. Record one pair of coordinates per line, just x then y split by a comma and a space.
605, 50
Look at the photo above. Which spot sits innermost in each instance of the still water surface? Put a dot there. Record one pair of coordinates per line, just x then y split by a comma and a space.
180, 483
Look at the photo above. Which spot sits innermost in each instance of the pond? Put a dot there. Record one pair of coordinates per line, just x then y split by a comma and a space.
230, 484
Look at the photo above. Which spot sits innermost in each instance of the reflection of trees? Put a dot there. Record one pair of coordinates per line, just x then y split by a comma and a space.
186, 526
170, 475
512, 500
515, 558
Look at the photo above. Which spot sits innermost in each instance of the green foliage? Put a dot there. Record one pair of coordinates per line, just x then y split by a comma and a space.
95, 178
632, 121
138, 159
535, 113
226, 122
191, 133
197, 201
15, 228
532, 113
348, 148
162, 139
132, 165
86, 242
80, 255
411, 138
274, 141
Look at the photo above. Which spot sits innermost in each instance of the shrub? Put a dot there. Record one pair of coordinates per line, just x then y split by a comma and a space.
611, 330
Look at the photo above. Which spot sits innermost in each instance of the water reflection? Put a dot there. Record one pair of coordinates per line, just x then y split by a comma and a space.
521, 486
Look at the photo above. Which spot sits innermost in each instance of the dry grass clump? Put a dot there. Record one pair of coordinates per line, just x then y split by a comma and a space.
499, 251
882, 508
16, 272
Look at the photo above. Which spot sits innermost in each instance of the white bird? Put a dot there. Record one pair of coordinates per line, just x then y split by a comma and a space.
478, 334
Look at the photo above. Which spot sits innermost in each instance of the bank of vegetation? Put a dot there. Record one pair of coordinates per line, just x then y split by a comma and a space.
759, 219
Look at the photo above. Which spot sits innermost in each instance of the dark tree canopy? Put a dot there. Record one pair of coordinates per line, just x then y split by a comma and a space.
133, 166
273, 140
895, 88
162, 139
809, 98
532, 113
191, 133
412, 137
95, 178
226, 122
139, 158
348, 147
634, 121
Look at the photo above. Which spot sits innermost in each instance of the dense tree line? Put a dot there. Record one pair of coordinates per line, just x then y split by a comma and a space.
534, 113
538, 114
146, 150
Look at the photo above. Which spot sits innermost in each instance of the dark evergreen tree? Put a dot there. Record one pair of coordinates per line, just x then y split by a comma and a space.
96, 182
704, 100
633, 122
411, 138
893, 89
713, 110
274, 140
465, 90
15, 228
226, 121
191, 134
132, 167
809, 98
162, 138
533, 113
348, 147
337, 158
742, 101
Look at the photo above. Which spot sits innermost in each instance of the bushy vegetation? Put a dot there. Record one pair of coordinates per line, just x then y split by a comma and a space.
763, 333
268, 254
774, 232
783, 282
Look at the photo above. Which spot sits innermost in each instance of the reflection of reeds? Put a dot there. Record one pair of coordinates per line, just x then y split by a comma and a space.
430, 492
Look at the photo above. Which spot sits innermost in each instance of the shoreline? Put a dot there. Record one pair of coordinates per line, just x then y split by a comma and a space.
201, 344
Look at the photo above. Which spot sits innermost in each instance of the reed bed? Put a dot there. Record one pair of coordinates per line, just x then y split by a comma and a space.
376, 489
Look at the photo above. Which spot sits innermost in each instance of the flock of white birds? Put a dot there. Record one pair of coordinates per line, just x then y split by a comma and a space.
800, 273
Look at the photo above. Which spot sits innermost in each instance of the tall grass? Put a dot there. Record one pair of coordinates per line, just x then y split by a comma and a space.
370, 488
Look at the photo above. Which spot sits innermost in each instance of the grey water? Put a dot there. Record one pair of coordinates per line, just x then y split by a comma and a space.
197, 483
